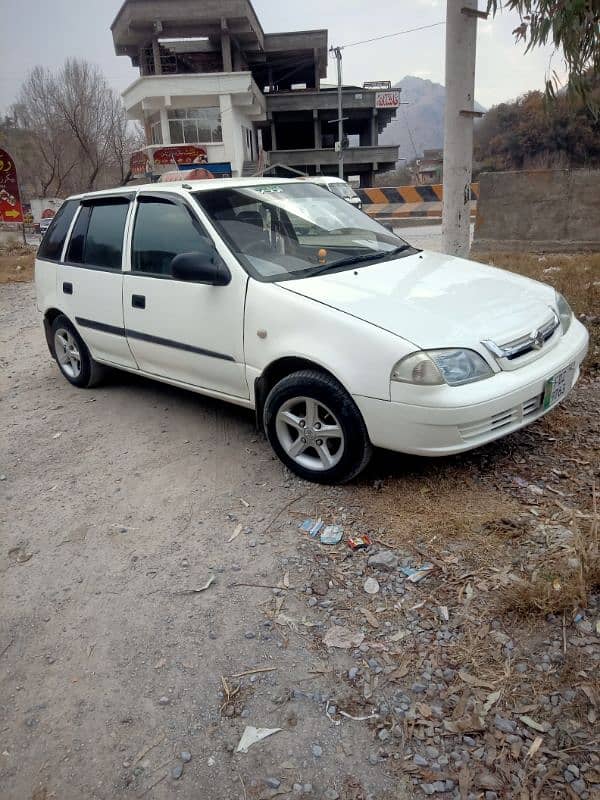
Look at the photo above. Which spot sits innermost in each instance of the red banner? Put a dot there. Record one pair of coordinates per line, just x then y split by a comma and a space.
180, 154
11, 209
139, 163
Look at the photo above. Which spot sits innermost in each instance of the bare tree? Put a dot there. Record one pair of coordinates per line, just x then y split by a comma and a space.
79, 127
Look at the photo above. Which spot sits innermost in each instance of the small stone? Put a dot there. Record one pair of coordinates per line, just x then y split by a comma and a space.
331, 794
307, 788
163, 701
177, 772
272, 783
568, 776
521, 668
371, 586
352, 673
383, 735
579, 786
185, 756
250, 635
574, 769
504, 725
384, 559
312, 601
252, 543
420, 761
317, 750
418, 688
427, 788
439, 786
491, 795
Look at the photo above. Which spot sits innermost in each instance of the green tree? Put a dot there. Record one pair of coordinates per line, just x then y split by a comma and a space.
572, 26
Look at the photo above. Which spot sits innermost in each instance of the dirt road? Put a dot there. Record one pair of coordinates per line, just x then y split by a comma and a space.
117, 679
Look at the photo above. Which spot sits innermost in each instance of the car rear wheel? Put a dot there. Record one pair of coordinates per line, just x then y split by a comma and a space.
72, 356
315, 428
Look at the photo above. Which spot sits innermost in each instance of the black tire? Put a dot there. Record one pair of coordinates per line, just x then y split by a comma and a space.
90, 372
326, 391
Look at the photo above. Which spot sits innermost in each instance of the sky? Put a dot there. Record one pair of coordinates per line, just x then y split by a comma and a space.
36, 32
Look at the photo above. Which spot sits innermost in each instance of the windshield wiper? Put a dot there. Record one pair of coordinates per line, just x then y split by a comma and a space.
345, 262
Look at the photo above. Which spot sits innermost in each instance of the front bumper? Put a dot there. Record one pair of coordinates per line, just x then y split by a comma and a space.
456, 419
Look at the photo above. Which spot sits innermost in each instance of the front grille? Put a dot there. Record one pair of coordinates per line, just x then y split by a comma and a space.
504, 419
533, 341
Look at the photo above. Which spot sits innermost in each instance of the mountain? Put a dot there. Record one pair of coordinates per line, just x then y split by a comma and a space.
423, 118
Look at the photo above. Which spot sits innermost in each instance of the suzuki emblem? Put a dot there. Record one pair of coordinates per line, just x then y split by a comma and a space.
537, 339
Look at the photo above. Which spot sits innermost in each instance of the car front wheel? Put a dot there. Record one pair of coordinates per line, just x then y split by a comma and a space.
315, 428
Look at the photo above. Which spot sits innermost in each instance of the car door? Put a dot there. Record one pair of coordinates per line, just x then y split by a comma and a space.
179, 330
90, 281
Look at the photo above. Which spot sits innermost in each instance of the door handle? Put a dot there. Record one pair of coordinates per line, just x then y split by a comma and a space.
67, 288
138, 301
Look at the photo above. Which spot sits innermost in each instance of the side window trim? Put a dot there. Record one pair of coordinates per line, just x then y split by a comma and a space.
67, 241
116, 199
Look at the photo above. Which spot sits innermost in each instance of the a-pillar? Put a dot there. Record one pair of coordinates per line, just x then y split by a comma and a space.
226, 47
317, 130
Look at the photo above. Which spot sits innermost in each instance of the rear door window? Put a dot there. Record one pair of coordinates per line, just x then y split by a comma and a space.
53, 242
97, 238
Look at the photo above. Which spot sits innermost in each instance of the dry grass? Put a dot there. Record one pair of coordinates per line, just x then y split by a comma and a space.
560, 575
577, 276
16, 263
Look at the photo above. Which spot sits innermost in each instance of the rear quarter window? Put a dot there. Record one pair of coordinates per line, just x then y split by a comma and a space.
54, 239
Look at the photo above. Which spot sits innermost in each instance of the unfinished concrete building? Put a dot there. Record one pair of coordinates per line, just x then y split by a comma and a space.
215, 86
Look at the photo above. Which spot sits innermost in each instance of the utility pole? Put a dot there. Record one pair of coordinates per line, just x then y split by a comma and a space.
461, 43
337, 51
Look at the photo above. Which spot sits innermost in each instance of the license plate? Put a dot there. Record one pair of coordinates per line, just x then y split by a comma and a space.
558, 385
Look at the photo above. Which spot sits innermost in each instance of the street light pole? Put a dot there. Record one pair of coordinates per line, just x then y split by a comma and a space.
337, 51
461, 42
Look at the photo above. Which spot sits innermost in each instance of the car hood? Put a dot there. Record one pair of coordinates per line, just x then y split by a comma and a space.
434, 300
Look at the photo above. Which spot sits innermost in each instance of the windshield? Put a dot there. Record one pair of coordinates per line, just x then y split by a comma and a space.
342, 190
281, 231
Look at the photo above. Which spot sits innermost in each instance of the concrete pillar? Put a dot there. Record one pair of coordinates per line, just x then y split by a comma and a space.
461, 41
374, 133
317, 129
226, 47
142, 60
273, 136
156, 56
317, 69
164, 126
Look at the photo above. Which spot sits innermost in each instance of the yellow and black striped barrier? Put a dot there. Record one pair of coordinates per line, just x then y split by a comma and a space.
432, 193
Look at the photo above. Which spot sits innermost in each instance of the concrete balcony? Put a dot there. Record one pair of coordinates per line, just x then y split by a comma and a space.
377, 157
153, 92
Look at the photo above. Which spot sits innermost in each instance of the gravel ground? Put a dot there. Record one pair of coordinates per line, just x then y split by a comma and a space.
120, 672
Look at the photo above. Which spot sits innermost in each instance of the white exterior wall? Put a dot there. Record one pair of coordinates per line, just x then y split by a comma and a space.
236, 95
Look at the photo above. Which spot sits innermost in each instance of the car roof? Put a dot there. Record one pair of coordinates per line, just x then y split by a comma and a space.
323, 179
184, 187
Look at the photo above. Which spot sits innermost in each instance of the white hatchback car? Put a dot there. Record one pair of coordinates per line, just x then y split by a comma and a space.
280, 297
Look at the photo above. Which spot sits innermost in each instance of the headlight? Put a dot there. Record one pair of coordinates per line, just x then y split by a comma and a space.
434, 367
564, 312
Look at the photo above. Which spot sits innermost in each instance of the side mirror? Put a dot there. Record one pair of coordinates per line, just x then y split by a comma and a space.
202, 266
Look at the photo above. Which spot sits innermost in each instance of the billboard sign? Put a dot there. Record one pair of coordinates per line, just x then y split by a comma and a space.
387, 99
139, 163
11, 209
180, 154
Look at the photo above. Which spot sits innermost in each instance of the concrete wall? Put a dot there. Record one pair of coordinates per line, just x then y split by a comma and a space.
538, 211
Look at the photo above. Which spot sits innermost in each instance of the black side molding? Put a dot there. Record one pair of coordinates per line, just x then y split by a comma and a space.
147, 337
